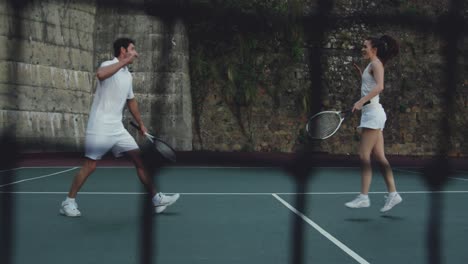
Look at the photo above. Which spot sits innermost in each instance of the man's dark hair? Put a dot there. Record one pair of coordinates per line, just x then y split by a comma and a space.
122, 43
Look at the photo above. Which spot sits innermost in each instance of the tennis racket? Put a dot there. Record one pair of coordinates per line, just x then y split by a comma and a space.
325, 124
159, 145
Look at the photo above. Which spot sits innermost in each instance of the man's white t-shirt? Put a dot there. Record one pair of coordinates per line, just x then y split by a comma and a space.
109, 101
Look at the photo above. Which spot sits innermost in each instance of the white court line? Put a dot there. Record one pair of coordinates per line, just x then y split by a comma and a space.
83, 193
46, 167
189, 167
416, 172
335, 241
39, 177
141, 193
460, 179
166, 167
19, 168
218, 167
239, 193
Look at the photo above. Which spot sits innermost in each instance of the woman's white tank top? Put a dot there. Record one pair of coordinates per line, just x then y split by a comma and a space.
368, 83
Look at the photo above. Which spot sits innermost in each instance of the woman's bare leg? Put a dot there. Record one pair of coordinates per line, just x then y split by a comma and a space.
385, 168
369, 138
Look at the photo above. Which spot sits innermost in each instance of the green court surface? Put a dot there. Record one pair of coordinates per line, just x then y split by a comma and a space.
231, 215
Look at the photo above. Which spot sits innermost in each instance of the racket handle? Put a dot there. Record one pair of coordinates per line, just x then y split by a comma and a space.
148, 135
135, 125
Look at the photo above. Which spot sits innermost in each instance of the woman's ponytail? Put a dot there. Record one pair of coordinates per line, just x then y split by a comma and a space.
387, 47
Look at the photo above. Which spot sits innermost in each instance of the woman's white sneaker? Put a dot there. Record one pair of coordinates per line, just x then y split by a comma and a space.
390, 201
70, 208
361, 201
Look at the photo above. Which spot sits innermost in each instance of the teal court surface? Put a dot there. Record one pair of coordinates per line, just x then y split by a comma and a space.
231, 215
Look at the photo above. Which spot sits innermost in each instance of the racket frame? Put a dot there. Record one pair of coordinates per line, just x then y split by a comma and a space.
342, 115
153, 140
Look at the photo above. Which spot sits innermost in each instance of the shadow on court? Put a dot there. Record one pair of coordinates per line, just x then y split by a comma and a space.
227, 210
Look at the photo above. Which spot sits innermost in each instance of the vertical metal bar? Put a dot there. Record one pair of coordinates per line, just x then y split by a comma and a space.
437, 173
147, 230
303, 165
8, 155
153, 163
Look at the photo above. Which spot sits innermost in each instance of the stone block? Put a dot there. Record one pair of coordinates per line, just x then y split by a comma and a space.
6, 7
41, 129
34, 52
44, 76
61, 14
5, 25
35, 98
8, 97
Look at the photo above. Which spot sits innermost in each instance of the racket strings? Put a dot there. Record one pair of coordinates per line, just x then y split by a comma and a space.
323, 125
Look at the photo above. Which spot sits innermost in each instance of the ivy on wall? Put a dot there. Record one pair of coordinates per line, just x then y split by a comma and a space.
235, 51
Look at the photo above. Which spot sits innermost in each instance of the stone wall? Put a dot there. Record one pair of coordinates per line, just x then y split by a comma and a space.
415, 85
247, 84
47, 77
46, 71
414, 95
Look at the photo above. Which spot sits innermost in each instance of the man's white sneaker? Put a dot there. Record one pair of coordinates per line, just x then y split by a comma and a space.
164, 201
70, 208
391, 201
359, 202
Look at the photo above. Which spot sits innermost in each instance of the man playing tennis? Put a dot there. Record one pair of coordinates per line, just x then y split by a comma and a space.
105, 130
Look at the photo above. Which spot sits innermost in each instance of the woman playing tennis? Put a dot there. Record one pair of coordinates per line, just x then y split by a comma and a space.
378, 51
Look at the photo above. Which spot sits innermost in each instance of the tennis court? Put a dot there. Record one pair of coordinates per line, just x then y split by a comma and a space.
231, 215
242, 77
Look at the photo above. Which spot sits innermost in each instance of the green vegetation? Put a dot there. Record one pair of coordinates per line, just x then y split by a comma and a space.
239, 52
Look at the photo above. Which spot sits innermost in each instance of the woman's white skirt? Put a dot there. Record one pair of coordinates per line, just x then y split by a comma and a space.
373, 116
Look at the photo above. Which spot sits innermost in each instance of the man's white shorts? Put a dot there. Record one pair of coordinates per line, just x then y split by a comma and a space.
97, 145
